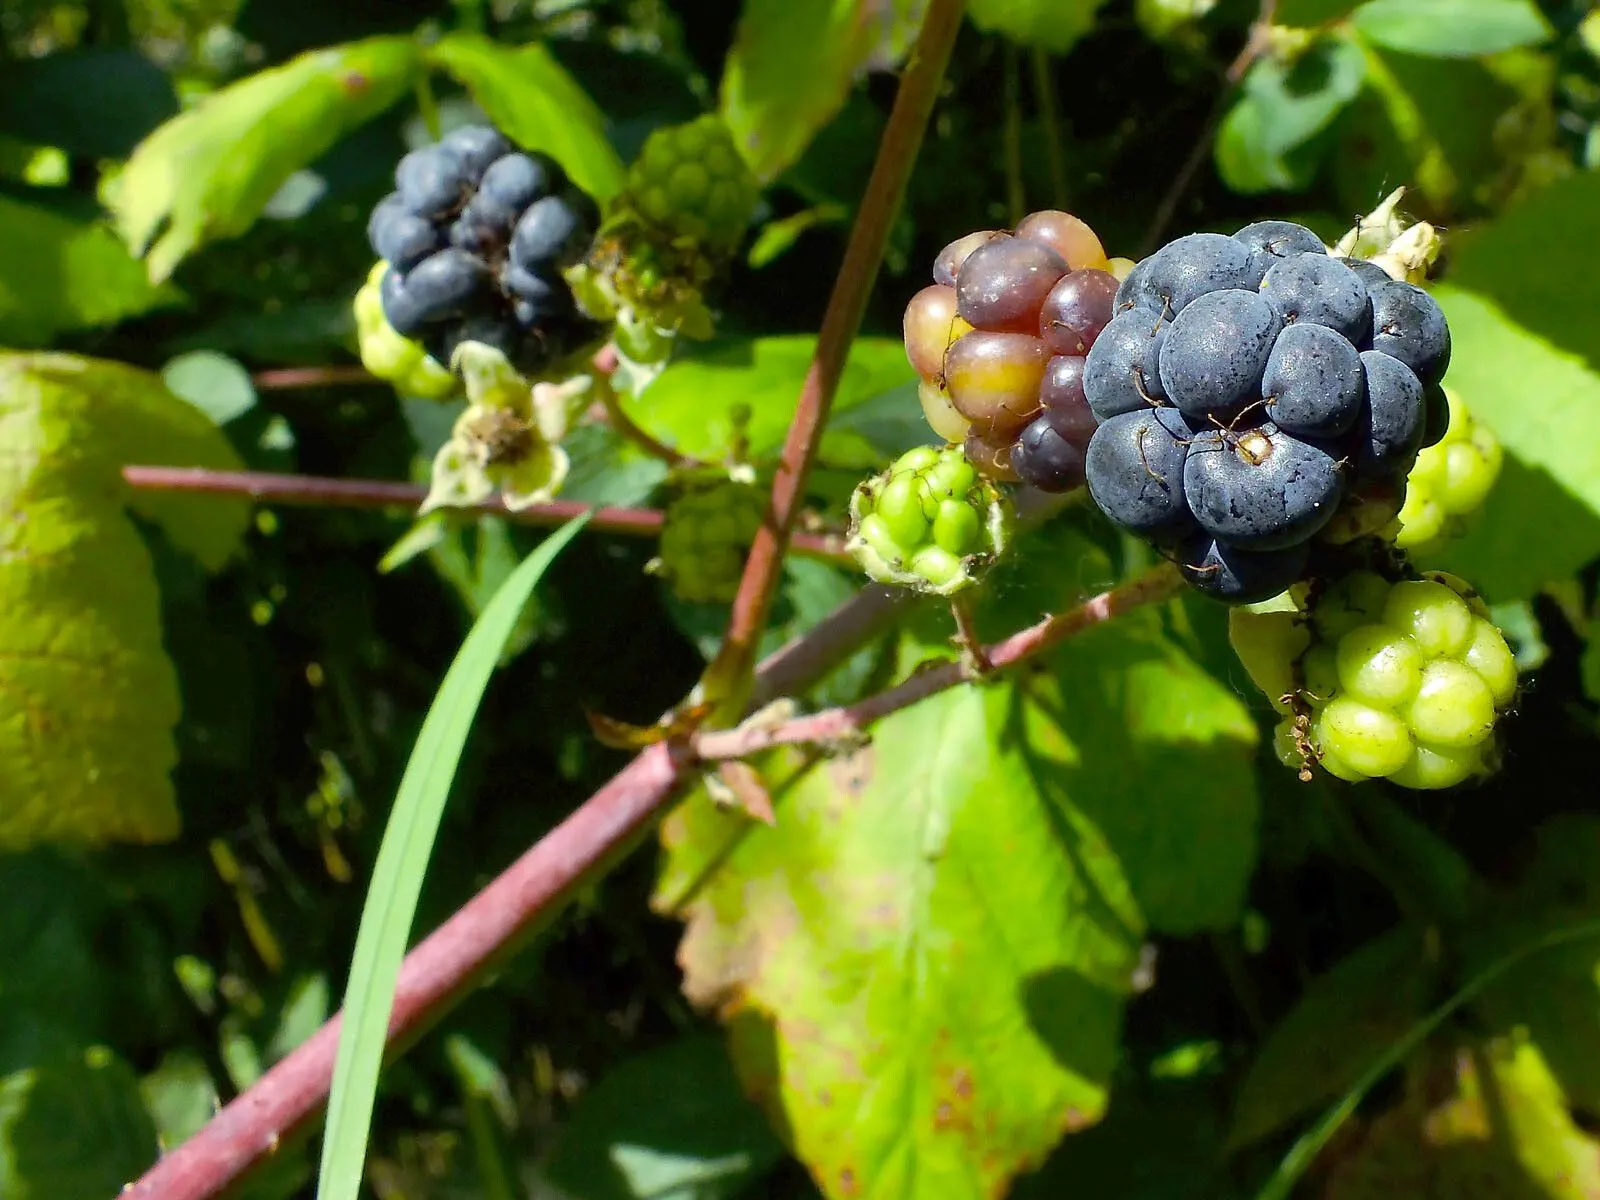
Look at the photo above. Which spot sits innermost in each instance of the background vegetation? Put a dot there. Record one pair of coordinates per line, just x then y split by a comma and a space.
1074, 933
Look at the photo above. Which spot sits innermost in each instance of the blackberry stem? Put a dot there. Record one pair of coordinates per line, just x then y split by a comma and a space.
728, 679
626, 428
312, 491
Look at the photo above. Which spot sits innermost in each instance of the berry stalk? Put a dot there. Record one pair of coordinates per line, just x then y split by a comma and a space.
312, 491
851, 721
728, 677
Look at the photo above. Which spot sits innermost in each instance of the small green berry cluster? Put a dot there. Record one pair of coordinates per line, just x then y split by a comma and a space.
1403, 681
705, 536
930, 522
391, 357
667, 237
690, 181
1449, 483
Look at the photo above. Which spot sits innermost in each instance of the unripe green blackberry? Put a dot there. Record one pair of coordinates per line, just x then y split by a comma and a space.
689, 179
395, 359
1449, 483
929, 522
705, 537
1403, 681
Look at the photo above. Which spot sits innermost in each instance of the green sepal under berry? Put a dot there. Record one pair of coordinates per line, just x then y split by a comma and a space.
389, 356
706, 534
930, 522
1378, 678
666, 238
1449, 483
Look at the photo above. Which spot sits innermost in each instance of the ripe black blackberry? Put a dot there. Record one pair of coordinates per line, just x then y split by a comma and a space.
1250, 387
476, 235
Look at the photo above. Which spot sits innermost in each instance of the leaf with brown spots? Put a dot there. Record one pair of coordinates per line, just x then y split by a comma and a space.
923, 965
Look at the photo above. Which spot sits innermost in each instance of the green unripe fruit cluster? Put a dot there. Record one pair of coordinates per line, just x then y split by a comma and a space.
1403, 681
705, 536
395, 359
929, 522
689, 179
1449, 482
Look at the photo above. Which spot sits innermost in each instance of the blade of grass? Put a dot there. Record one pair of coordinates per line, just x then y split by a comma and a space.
1310, 1144
391, 902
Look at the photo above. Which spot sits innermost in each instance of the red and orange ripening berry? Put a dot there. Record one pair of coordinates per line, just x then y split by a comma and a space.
999, 341
994, 378
931, 324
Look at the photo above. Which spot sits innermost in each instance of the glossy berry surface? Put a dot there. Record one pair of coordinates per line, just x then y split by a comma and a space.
476, 235
1293, 387
1449, 483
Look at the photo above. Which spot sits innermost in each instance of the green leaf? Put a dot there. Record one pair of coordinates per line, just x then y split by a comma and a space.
927, 954
214, 383
792, 66
207, 173
73, 1130
1554, 996
48, 930
180, 1096
60, 272
1451, 28
1048, 24
88, 699
96, 102
1265, 142
671, 1122
693, 403
1436, 123
1543, 403
533, 100
1148, 722
1343, 1019
1477, 1120
402, 864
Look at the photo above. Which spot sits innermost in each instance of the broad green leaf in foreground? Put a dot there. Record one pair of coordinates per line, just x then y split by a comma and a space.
923, 964
1344, 1019
1054, 25
694, 402
530, 96
1265, 141
402, 863
792, 65
207, 173
88, 699
73, 1129
1451, 28
60, 272
640, 1133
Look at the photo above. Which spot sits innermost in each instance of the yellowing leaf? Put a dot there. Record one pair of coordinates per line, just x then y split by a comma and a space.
88, 699
924, 962
537, 104
207, 173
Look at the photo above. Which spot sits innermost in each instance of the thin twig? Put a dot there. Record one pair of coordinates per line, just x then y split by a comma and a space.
729, 675
312, 491
628, 429
849, 722
281, 379
1257, 44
